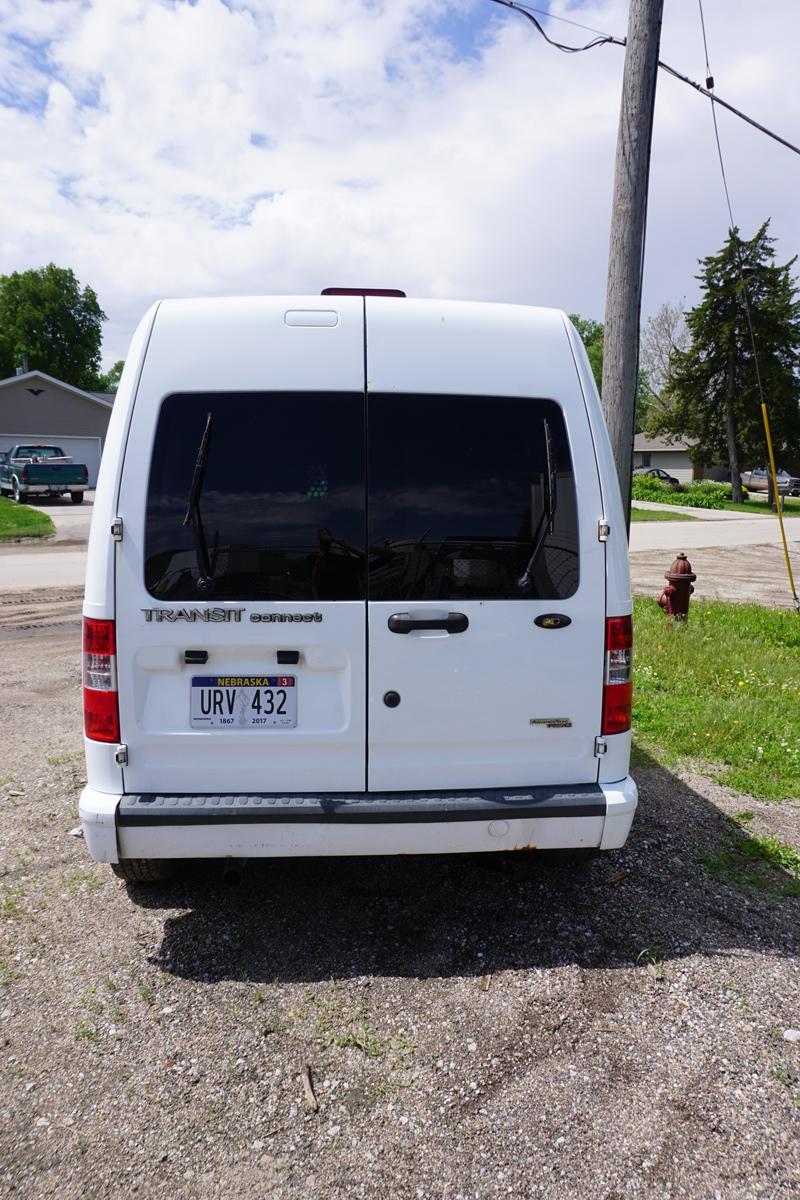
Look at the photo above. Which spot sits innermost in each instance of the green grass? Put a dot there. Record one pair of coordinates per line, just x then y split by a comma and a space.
722, 689
791, 507
657, 514
18, 521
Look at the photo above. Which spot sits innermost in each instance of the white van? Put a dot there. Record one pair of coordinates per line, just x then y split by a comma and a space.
357, 584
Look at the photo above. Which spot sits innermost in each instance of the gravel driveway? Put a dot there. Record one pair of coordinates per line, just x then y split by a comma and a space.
478, 1026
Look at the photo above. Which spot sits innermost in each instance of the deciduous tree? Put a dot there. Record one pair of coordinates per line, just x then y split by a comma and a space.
46, 315
591, 334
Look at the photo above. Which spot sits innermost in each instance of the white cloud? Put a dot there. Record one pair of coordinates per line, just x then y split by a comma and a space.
167, 148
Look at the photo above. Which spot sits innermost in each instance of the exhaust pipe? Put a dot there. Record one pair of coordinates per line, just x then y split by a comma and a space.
233, 870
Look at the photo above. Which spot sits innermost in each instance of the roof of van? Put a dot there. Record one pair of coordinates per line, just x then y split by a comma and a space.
461, 346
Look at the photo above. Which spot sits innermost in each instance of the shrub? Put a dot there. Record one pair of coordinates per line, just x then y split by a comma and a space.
647, 487
702, 493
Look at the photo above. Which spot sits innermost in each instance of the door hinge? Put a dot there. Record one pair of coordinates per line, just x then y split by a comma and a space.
600, 747
121, 756
116, 529
603, 531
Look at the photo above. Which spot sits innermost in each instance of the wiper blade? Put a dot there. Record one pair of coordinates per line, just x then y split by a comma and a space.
550, 499
193, 518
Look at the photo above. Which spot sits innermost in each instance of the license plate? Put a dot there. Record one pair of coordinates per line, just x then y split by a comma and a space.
243, 702
54, 487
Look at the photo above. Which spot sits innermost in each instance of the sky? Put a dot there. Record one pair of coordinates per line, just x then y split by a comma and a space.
238, 147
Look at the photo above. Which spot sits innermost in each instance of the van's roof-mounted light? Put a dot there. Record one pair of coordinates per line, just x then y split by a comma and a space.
337, 291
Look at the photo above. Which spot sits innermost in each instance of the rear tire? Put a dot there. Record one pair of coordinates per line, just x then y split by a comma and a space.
76, 497
19, 498
144, 870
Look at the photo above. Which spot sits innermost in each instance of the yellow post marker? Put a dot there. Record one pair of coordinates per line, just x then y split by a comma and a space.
779, 505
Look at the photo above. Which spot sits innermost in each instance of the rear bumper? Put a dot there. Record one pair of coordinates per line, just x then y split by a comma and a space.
544, 818
49, 489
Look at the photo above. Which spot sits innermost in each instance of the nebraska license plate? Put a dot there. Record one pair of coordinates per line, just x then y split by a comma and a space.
244, 702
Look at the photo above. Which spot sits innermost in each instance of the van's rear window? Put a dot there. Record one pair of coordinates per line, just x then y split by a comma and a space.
281, 503
457, 496
450, 505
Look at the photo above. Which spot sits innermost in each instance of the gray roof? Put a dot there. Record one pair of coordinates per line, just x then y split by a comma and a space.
104, 398
648, 444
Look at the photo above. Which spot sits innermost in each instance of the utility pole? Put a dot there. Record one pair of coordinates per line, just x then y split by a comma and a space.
626, 246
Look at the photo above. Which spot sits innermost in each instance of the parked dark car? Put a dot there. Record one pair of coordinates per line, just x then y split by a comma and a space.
758, 481
663, 476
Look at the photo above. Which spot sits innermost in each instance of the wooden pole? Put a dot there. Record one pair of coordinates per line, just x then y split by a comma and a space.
626, 247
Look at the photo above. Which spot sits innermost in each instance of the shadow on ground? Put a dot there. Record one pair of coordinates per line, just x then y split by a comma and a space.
439, 916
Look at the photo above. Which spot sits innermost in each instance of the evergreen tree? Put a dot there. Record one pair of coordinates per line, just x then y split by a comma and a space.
46, 315
712, 389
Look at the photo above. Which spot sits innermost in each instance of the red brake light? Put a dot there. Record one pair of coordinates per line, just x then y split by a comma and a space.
100, 699
337, 291
26, 473
617, 685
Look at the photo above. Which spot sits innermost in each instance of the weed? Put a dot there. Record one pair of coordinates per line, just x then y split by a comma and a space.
783, 1075
259, 996
6, 974
83, 1143
336, 1026
361, 1035
384, 1090
83, 878
58, 760
146, 992
652, 960
403, 1052
10, 907
84, 1032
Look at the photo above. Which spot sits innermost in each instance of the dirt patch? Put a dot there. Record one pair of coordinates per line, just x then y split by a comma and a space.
476, 1026
40, 609
741, 574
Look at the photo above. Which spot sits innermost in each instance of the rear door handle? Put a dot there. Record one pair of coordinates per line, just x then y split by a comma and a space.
404, 622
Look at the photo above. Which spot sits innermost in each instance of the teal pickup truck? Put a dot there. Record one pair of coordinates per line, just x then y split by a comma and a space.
30, 470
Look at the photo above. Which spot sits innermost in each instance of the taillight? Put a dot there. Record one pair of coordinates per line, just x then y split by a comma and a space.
85, 474
617, 685
100, 702
26, 474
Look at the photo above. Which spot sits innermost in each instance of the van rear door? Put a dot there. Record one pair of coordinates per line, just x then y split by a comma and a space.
240, 577
485, 669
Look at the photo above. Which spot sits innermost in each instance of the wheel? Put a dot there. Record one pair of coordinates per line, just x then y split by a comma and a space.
76, 497
144, 870
19, 498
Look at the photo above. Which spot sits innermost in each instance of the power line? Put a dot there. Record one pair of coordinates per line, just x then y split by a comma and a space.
604, 39
542, 12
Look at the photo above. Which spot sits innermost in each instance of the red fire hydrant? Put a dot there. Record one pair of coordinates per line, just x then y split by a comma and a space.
675, 597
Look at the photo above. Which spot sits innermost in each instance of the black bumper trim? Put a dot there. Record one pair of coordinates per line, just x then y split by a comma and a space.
579, 800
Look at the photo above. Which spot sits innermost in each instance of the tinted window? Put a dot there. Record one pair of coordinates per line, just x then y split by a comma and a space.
282, 501
457, 488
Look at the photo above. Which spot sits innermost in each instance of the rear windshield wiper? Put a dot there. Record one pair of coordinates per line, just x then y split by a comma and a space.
193, 519
550, 499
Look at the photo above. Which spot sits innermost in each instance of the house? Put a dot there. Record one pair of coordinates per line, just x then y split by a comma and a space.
34, 407
671, 454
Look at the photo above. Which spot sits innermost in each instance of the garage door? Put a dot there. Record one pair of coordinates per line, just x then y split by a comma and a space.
80, 449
